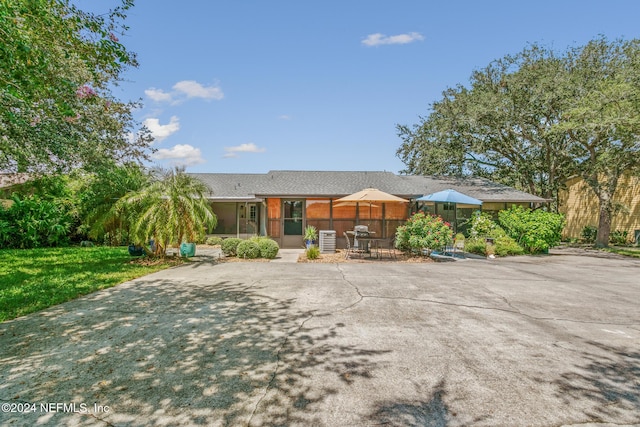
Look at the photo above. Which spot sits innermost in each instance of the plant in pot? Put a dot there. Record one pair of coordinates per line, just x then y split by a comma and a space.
310, 236
135, 250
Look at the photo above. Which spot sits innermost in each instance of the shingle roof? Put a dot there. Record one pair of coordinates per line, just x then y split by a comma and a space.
232, 185
479, 188
342, 183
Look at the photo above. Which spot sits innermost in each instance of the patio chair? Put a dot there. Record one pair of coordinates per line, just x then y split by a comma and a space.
387, 246
350, 248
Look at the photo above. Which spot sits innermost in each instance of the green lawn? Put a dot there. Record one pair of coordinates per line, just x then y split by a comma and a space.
628, 251
34, 279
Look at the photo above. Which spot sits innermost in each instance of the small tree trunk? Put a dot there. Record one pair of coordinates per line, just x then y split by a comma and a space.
604, 221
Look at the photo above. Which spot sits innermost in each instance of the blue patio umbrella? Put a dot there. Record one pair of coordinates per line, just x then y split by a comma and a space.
450, 196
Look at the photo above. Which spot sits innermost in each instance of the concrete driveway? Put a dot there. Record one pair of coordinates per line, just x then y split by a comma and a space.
525, 341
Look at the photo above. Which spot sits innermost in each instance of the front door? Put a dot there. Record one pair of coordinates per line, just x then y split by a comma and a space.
247, 220
292, 218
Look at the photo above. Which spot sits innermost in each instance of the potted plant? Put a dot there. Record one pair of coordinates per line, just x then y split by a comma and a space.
310, 236
187, 249
136, 250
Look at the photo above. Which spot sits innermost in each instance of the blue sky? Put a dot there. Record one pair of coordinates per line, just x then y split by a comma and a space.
254, 85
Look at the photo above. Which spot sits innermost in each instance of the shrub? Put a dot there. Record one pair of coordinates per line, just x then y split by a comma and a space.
423, 231
33, 222
212, 241
475, 245
313, 252
268, 248
589, 233
505, 245
619, 237
535, 231
229, 246
248, 249
483, 226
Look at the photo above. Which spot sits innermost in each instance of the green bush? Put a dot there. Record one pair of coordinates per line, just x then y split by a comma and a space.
505, 245
212, 241
618, 237
536, 231
475, 245
230, 246
589, 233
248, 249
313, 252
268, 248
423, 231
33, 222
482, 225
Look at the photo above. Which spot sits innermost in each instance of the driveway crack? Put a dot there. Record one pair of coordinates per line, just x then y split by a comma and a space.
344, 278
511, 310
272, 380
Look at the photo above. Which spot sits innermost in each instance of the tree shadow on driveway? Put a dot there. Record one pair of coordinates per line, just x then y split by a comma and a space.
159, 352
609, 379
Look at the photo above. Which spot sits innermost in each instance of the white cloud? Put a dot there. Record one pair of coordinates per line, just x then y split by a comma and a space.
158, 95
185, 89
180, 155
243, 148
380, 39
161, 132
193, 89
284, 117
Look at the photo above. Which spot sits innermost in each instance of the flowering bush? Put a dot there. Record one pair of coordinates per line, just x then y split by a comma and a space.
483, 226
423, 232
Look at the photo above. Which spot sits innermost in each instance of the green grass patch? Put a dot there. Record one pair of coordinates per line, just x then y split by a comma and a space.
627, 251
34, 279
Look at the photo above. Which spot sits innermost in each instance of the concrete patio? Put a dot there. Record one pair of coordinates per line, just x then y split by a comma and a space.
535, 341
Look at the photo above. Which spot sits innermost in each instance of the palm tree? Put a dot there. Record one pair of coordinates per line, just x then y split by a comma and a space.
172, 209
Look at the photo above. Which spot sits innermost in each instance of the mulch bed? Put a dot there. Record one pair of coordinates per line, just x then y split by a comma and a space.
339, 257
150, 261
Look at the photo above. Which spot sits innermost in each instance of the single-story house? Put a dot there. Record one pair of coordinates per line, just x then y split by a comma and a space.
280, 204
580, 206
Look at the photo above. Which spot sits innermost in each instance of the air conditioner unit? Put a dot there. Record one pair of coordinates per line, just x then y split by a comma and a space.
327, 241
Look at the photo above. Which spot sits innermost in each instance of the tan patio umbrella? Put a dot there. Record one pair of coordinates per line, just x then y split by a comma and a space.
370, 195
341, 204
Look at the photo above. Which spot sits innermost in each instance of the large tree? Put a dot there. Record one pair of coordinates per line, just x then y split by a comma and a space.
58, 65
499, 127
533, 119
602, 120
